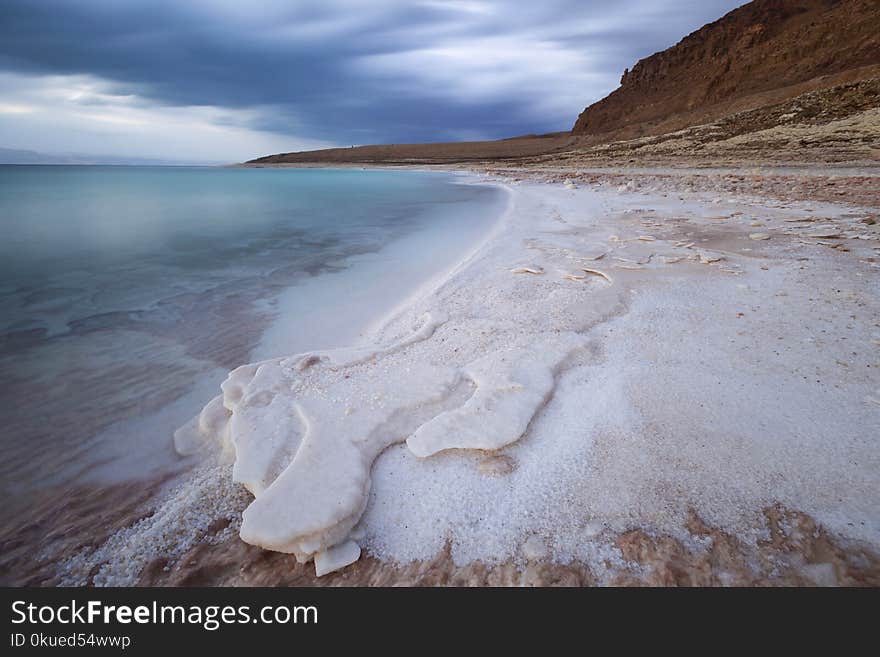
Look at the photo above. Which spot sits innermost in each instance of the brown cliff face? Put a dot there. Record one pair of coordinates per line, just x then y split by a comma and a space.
764, 52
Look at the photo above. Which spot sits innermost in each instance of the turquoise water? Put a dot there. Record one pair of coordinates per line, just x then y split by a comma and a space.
126, 293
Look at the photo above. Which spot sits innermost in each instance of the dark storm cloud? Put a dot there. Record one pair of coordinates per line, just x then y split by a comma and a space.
353, 72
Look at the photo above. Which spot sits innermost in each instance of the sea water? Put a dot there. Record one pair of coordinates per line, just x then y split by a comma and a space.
128, 293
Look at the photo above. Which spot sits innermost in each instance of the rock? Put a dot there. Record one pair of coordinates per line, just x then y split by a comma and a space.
759, 236
759, 47
336, 557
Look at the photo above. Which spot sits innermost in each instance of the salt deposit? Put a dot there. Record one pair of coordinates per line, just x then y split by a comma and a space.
527, 417
511, 385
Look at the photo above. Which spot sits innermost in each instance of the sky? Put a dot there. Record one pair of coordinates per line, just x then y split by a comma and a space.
229, 80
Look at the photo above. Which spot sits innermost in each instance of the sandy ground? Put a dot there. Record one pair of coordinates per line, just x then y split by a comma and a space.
715, 426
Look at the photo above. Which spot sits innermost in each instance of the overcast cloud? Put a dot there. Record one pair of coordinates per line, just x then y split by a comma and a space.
229, 80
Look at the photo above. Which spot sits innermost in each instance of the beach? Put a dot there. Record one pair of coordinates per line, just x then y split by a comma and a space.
129, 293
650, 376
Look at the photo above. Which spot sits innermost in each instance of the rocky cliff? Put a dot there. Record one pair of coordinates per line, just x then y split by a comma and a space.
761, 53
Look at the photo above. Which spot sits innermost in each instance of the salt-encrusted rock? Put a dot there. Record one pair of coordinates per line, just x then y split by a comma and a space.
336, 557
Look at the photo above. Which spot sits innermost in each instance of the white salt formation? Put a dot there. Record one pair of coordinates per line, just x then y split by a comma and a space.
336, 557
511, 386
305, 430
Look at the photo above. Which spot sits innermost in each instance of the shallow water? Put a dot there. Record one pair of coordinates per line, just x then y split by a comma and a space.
127, 293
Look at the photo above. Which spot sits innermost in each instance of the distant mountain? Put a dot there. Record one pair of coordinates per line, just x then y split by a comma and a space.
17, 156
433, 153
765, 52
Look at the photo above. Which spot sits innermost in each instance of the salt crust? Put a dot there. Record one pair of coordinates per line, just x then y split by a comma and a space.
624, 416
309, 427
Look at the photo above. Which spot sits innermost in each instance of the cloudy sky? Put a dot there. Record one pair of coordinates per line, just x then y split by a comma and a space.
227, 80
